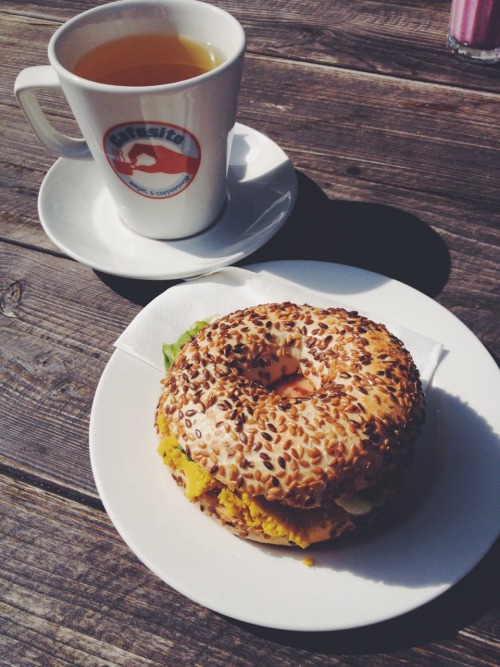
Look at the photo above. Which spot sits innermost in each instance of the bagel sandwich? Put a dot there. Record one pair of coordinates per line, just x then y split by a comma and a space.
289, 424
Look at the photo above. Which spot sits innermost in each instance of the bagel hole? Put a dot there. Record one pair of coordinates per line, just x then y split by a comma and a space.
277, 368
294, 385
282, 374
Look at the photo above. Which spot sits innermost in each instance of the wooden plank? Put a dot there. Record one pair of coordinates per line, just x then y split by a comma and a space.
406, 161
359, 116
71, 593
362, 138
344, 34
58, 322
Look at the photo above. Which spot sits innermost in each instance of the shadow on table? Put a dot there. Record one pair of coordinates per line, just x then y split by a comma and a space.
376, 237
369, 236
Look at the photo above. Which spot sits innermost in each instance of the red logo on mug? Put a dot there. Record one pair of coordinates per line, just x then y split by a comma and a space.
157, 160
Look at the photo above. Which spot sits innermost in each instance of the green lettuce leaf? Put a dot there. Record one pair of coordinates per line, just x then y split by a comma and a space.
171, 350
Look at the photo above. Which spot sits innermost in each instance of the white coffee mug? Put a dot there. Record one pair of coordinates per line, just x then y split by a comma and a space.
162, 150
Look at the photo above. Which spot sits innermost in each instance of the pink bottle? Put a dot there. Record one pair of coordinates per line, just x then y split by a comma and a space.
474, 31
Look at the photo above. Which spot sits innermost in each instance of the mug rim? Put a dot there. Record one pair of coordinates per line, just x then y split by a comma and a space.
71, 23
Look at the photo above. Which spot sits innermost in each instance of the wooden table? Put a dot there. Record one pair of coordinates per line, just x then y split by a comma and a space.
397, 149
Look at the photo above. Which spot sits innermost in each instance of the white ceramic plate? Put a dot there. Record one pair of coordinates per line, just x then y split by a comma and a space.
446, 518
79, 217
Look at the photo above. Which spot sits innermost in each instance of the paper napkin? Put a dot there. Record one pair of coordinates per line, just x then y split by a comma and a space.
231, 288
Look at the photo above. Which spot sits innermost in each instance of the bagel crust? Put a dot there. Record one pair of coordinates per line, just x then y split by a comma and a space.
350, 424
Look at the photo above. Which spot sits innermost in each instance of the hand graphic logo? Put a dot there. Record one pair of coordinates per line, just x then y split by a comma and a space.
137, 150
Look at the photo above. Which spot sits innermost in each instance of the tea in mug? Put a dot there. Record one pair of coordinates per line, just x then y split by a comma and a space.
147, 60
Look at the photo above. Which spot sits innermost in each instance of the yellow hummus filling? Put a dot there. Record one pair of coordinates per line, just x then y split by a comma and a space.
198, 480
241, 506
297, 526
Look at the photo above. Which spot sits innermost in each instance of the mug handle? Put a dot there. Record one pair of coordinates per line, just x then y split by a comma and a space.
27, 82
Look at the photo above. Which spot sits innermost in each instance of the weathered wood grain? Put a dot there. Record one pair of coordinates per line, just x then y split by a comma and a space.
56, 336
422, 150
71, 593
414, 135
392, 155
340, 106
399, 38
58, 323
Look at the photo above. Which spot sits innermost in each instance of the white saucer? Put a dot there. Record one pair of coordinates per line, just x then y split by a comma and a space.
79, 217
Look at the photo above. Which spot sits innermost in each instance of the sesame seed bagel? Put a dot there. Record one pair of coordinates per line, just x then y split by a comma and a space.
295, 404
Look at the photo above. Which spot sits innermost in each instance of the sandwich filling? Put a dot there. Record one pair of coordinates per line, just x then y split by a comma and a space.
257, 515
